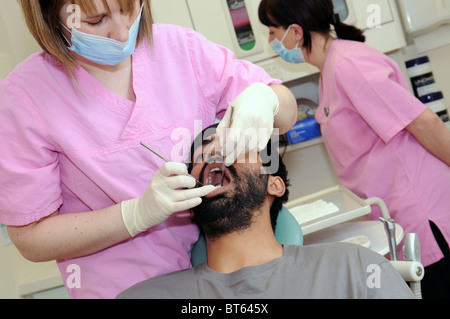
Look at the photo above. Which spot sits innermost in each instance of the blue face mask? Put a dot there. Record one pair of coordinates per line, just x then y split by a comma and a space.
292, 56
103, 50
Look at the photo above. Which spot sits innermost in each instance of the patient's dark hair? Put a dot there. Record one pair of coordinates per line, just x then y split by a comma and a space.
275, 170
311, 15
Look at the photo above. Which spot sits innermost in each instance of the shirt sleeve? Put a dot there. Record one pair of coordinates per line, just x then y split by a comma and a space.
377, 90
29, 176
221, 76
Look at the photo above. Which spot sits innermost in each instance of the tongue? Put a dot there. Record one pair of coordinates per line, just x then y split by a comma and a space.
225, 181
218, 179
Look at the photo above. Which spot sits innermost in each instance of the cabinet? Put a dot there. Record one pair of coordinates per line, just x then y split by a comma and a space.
228, 23
381, 22
372, 14
427, 23
422, 16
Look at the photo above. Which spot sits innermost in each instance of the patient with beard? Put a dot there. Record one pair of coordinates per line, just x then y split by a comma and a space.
244, 259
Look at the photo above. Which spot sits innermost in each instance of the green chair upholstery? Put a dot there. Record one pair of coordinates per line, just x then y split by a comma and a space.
287, 232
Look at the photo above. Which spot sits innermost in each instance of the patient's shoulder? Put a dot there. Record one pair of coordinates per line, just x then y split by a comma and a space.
171, 285
338, 251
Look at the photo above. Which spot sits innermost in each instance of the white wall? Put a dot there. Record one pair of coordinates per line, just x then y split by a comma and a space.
8, 257
7, 60
16, 41
16, 45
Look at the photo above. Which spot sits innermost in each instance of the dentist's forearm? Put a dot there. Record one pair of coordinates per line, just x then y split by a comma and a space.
287, 114
70, 235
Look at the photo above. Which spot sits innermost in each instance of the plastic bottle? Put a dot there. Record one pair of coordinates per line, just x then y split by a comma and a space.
435, 102
421, 75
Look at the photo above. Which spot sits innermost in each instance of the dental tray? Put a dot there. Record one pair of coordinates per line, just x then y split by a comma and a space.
327, 208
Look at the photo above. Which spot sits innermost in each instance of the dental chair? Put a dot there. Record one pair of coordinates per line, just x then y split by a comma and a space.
287, 232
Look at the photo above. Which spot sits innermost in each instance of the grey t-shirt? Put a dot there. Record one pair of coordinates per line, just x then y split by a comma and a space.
324, 271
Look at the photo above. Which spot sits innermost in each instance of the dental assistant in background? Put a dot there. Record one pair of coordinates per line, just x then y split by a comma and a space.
76, 186
381, 140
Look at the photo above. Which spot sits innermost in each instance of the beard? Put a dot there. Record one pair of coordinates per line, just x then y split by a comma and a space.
235, 209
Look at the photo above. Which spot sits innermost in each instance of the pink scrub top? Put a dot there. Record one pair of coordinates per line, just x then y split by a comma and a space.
80, 152
365, 106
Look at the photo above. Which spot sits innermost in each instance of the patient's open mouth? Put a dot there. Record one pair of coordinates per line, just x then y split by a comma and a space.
214, 175
217, 177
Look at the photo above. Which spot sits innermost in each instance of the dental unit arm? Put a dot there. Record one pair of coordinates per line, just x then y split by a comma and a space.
411, 268
389, 227
411, 252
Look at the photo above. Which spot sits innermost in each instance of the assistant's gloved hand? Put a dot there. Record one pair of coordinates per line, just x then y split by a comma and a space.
170, 191
248, 122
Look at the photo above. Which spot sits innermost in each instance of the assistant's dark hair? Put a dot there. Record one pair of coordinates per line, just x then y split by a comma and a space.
275, 170
311, 15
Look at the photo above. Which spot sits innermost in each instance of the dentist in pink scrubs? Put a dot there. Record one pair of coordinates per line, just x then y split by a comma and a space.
381, 140
76, 186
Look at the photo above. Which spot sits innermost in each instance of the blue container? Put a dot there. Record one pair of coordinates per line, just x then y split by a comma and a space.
303, 131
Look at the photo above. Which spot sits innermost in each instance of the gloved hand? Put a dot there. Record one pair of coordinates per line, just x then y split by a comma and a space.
170, 191
248, 122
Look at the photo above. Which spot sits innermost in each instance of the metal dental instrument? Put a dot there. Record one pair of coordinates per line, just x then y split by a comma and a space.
224, 167
166, 160
389, 226
155, 152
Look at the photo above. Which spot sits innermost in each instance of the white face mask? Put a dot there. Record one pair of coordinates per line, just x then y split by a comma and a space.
292, 56
103, 50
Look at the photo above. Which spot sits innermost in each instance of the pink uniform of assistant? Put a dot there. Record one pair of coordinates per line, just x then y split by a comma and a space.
365, 107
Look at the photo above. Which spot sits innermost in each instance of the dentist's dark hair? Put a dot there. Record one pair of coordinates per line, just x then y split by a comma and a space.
311, 15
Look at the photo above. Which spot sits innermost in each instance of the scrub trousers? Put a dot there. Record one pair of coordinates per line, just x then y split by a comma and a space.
436, 282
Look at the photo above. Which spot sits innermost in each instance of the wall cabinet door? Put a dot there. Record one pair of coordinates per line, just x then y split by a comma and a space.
372, 13
233, 24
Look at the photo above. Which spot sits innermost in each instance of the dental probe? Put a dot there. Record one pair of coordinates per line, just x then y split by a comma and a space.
224, 167
166, 160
